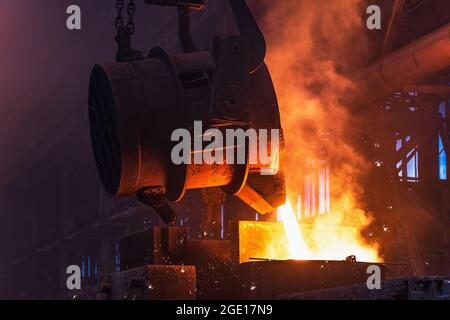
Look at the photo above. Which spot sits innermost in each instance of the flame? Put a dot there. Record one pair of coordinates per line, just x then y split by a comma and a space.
312, 48
297, 245
325, 239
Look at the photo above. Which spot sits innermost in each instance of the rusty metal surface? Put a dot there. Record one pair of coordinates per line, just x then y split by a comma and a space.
426, 288
135, 107
250, 196
216, 273
208, 175
270, 279
207, 250
153, 246
154, 282
158, 247
191, 4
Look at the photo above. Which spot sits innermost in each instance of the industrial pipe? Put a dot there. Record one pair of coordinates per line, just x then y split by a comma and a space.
418, 60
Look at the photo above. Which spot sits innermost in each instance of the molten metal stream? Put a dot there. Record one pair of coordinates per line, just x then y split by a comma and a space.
323, 240
297, 245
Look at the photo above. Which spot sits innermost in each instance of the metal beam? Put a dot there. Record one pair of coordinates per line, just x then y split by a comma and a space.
427, 89
397, 10
416, 61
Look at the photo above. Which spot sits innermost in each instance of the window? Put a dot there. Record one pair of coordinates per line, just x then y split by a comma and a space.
83, 267
442, 110
442, 160
408, 168
89, 267
117, 257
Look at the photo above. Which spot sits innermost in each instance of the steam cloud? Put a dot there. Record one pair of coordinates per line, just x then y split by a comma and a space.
312, 48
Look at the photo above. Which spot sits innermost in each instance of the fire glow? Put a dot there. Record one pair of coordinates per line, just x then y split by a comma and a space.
297, 246
304, 56
324, 239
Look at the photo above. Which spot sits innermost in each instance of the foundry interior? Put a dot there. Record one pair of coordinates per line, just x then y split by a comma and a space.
360, 178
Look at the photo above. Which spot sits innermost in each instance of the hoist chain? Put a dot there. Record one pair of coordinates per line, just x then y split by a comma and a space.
131, 10
124, 32
119, 19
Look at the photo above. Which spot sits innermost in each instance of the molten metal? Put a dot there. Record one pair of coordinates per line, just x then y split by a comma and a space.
326, 239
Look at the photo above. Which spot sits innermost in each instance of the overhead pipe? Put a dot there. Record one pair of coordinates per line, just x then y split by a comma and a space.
414, 62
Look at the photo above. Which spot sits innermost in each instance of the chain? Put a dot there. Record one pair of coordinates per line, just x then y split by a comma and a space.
119, 20
131, 10
124, 32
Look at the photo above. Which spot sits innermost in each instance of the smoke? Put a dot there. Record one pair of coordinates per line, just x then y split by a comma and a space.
312, 48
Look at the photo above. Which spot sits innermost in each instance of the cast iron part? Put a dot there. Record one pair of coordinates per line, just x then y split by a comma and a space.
135, 106
184, 9
155, 198
268, 280
124, 50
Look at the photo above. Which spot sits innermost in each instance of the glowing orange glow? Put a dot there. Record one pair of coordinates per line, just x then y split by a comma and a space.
326, 239
297, 246
310, 53
289, 239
